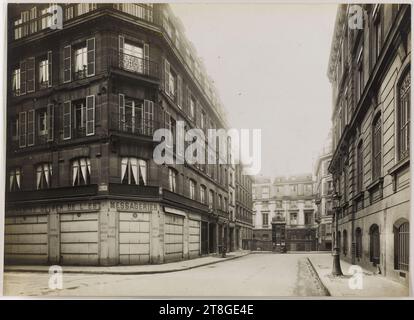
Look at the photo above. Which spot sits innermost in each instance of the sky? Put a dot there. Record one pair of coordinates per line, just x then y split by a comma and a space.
269, 63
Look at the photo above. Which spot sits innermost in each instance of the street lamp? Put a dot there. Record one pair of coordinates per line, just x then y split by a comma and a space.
336, 268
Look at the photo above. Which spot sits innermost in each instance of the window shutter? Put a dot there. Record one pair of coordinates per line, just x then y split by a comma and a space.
50, 121
67, 64
90, 47
49, 61
146, 59
90, 115
121, 111
31, 127
23, 77
22, 129
179, 91
121, 43
148, 117
30, 74
167, 77
67, 133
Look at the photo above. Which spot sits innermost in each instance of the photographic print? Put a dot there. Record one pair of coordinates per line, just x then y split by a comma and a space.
199, 150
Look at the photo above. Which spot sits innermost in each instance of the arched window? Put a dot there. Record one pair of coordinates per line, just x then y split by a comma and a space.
401, 245
358, 243
403, 116
374, 244
376, 147
345, 244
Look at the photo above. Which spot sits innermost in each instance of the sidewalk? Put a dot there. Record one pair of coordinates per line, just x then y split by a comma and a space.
139, 269
373, 285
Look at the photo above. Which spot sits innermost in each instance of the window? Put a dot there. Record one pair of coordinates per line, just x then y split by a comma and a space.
360, 74
376, 147
265, 192
376, 13
192, 189
192, 107
133, 56
81, 171
345, 243
358, 240
79, 117
403, 121
15, 176
293, 188
42, 122
80, 62
171, 81
211, 199
133, 171
360, 167
141, 10
374, 244
401, 246
265, 219
45, 71
293, 218
16, 82
172, 179
220, 202
308, 218
43, 176
203, 194
84, 60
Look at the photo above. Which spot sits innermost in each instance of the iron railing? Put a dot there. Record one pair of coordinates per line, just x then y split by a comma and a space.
133, 125
137, 65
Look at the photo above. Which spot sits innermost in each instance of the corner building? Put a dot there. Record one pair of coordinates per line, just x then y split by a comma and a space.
83, 103
370, 72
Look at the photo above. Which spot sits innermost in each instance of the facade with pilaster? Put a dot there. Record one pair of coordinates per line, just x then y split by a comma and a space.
370, 73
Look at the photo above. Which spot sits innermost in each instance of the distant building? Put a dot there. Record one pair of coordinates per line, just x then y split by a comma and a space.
289, 200
323, 197
370, 73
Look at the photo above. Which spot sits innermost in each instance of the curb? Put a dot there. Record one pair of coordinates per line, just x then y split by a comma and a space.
325, 288
128, 272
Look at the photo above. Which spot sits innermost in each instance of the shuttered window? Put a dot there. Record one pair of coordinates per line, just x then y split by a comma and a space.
22, 129
50, 121
90, 45
31, 127
90, 115
30, 74
148, 117
376, 148
67, 64
67, 119
23, 77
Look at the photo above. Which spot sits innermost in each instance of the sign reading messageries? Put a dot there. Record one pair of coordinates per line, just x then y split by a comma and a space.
133, 206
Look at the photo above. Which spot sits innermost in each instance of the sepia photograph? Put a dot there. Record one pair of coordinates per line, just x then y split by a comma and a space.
243, 150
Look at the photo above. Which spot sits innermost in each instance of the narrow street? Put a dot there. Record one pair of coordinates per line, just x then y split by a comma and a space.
261, 275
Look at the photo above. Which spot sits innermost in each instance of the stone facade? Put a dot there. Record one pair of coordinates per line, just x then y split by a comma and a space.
369, 70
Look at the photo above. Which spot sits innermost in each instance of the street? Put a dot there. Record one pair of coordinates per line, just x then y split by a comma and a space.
261, 275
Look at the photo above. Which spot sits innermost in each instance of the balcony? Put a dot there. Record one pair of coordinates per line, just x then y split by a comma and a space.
133, 125
40, 140
134, 65
134, 190
52, 193
176, 198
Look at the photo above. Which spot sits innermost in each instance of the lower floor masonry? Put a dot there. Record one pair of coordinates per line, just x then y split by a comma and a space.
112, 232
